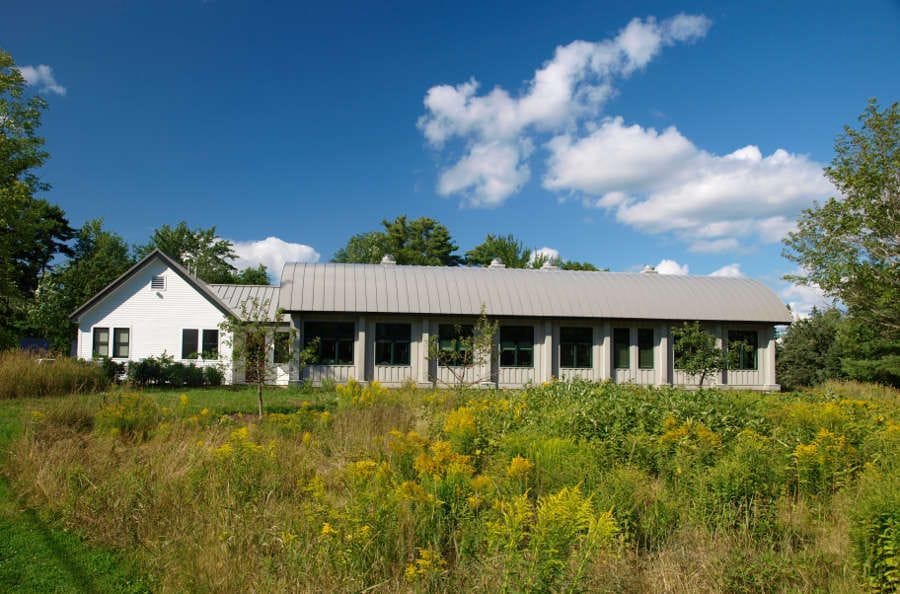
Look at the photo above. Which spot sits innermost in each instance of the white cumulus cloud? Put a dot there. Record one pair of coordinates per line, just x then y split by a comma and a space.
272, 252
41, 76
660, 182
667, 266
803, 298
730, 270
498, 129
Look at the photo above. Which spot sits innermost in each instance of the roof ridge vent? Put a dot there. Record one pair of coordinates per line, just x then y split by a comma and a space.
497, 263
549, 265
649, 270
388, 260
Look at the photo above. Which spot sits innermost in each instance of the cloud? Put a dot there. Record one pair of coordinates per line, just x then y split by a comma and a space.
41, 76
272, 253
551, 254
660, 182
498, 129
666, 266
729, 270
802, 299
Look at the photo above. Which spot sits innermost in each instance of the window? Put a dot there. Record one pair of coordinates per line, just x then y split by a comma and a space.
192, 348
335, 341
516, 346
621, 348
121, 338
282, 347
189, 344
392, 344
210, 348
158, 283
575, 347
645, 348
743, 345
450, 340
101, 342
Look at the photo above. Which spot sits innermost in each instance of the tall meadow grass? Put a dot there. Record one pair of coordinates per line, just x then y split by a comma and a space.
566, 487
23, 375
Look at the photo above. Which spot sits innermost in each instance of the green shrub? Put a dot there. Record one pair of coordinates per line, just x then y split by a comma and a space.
24, 376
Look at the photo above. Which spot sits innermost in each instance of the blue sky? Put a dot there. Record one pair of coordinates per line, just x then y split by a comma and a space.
621, 135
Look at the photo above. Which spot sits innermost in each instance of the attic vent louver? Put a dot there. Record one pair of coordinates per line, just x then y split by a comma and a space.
388, 260
158, 283
497, 263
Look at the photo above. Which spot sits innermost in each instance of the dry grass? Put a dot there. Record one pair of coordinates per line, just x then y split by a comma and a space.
23, 375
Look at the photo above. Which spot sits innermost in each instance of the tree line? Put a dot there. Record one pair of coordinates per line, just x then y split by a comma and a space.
848, 246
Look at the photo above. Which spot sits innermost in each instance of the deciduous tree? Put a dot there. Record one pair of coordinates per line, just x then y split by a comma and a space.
512, 252
850, 245
423, 241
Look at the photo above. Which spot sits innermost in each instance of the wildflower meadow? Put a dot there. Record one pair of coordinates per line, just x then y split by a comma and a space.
564, 487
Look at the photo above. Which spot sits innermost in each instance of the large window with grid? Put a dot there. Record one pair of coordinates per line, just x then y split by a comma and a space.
576, 347
453, 340
335, 341
645, 348
622, 348
392, 344
743, 345
517, 346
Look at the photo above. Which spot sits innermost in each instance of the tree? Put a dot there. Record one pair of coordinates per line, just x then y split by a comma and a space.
203, 253
850, 245
469, 350
808, 354
32, 231
573, 265
696, 353
260, 347
362, 248
512, 252
98, 258
251, 276
422, 241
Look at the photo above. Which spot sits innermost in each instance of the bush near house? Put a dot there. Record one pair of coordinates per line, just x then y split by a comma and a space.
561, 487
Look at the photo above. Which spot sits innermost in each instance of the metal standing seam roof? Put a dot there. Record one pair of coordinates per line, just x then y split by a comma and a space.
234, 295
434, 290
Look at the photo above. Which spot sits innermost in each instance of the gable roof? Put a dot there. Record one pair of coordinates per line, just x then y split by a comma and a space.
375, 288
196, 283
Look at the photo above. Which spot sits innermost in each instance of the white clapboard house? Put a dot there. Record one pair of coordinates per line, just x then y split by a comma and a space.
374, 321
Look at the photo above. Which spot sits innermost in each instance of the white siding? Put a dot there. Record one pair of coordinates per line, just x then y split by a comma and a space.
155, 319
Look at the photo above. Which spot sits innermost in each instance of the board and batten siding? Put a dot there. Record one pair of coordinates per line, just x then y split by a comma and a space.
155, 318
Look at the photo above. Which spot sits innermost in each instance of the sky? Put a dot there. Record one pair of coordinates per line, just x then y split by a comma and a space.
686, 136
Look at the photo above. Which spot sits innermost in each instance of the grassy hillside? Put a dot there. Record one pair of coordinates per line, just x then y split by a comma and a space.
563, 487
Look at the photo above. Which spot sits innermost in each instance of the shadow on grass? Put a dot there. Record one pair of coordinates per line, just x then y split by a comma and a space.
60, 552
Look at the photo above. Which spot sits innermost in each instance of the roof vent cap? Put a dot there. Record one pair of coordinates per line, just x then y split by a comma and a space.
549, 265
388, 260
649, 270
497, 263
